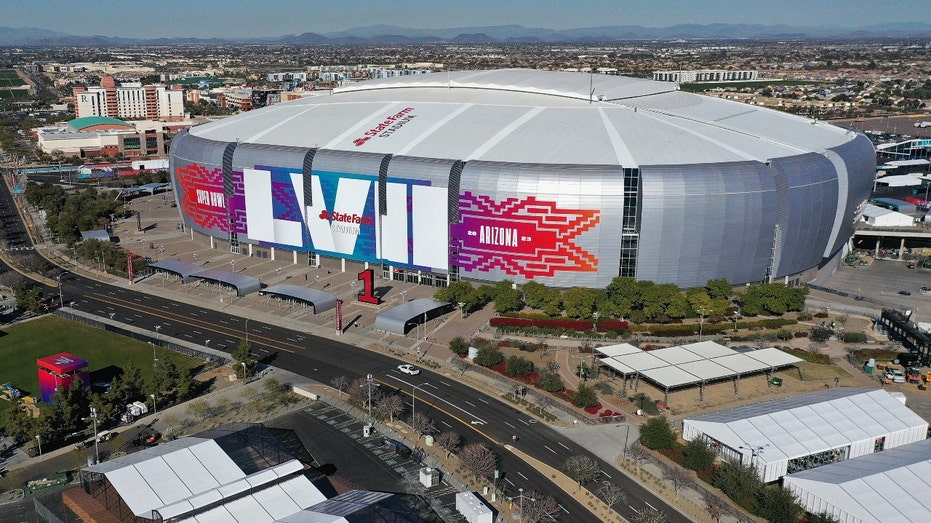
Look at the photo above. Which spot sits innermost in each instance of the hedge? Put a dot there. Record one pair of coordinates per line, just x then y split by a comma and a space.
551, 323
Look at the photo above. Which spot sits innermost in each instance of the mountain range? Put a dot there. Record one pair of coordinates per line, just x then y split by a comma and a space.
501, 34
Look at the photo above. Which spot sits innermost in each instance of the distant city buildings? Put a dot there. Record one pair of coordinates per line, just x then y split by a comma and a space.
129, 100
705, 75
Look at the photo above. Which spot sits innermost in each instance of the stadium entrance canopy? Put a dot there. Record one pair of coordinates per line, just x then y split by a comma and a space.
189, 272
320, 301
687, 365
404, 317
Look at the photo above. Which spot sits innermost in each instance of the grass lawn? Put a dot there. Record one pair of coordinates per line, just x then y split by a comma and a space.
21, 345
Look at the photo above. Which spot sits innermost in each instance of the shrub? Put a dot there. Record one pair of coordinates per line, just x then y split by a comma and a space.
820, 334
459, 345
854, 337
518, 366
551, 382
586, 397
488, 356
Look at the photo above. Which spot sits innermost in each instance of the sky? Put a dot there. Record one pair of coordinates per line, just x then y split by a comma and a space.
272, 18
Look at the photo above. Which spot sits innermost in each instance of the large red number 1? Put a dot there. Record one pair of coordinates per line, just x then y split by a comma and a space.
368, 289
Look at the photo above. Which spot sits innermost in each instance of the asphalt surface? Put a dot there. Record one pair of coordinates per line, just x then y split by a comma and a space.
452, 405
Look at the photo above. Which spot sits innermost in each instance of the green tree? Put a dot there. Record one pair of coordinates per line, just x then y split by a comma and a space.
822, 518
779, 505
719, 289
508, 300
243, 355
657, 434
517, 366
772, 299
699, 300
585, 396
624, 294
551, 382
741, 483
28, 297
488, 356
579, 302
698, 455
534, 294
461, 292
18, 423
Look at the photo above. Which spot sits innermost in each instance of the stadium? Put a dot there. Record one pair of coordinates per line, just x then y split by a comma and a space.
567, 179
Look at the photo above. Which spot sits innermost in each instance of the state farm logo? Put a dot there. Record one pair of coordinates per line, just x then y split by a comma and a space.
345, 217
388, 127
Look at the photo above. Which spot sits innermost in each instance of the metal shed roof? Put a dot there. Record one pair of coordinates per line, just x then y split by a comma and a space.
396, 319
183, 269
321, 300
244, 284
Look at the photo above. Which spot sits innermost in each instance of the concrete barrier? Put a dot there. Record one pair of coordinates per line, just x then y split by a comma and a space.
304, 392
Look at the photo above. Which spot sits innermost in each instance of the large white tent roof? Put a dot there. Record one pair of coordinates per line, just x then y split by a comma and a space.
694, 363
192, 473
809, 423
886, 487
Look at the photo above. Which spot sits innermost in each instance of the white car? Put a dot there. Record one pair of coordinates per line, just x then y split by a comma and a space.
407, 368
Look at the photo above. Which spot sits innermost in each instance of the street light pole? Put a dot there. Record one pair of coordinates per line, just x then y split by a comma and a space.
243, 370
61, 296
701, 321
368, 380
96, 447
154, 405
247, 331
39, 437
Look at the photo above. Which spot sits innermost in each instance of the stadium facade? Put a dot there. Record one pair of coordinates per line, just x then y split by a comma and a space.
565, 179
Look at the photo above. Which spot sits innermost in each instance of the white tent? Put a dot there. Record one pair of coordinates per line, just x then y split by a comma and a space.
881, 217
885, 487
792, 434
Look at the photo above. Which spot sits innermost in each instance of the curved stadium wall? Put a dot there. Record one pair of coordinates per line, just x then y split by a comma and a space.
526, 175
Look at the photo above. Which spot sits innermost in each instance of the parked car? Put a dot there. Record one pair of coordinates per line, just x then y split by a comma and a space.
905, 293
897, 376
407, 368
399, 448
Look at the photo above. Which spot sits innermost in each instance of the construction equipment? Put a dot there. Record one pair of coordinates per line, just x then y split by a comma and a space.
913, 374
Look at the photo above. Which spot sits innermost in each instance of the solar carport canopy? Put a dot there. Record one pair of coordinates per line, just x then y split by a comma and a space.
320, 300
685, 365
242, 283
183, 269
398, 319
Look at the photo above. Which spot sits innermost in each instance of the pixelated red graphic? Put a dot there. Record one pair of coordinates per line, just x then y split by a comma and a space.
203, 198
521, 236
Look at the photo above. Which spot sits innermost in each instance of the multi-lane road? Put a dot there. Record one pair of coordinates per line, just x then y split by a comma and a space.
450, 404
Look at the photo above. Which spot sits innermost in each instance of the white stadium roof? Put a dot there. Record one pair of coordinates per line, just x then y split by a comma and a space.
891, 486
694, 363
510, 115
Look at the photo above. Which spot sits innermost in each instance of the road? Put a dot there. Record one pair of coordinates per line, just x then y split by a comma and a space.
449, 403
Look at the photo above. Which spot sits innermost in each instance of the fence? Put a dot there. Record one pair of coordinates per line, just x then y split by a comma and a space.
211, 361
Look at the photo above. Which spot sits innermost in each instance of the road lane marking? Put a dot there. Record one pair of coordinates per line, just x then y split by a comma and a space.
509, 425
523, 476
549, 449
563, 446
